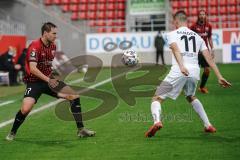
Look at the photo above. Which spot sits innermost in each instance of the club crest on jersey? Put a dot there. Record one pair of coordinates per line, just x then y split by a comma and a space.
33, 54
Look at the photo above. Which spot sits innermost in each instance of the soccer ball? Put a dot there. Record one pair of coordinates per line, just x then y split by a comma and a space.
130, 58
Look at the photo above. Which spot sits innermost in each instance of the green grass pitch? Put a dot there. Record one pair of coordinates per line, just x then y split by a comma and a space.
120, 133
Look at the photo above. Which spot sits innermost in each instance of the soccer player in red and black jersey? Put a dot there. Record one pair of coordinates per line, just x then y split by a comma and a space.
204, 29
38, 79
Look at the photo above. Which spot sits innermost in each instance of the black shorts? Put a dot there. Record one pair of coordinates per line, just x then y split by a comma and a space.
202, 61
36, 89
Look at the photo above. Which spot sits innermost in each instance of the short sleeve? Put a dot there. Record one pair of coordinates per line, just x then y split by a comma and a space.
32, 54
169, 38
202, 45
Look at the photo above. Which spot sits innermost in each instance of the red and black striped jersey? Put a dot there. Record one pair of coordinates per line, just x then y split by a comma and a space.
41, 54
204, 30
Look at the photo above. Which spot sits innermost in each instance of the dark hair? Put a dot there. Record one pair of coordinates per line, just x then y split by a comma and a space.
181, 15
47, 27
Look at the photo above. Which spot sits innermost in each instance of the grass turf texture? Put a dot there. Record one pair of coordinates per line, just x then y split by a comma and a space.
120, 133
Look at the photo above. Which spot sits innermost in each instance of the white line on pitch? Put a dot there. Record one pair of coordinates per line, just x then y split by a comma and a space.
6, 102
3, 124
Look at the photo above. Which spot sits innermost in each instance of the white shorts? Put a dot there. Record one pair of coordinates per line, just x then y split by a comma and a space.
172, 86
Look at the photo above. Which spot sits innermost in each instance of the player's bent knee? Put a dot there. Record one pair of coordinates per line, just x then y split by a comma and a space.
190, 98
207, 70
27, 105
157, 98
75, 102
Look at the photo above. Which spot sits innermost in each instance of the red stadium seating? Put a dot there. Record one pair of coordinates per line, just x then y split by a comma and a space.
74, 7
92, 7
73, 1
222, 13
65, 8
47, 2
82, 7
213, 2
74, 16
213, 11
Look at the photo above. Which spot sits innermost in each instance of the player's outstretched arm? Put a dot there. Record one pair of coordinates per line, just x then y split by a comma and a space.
224, 83
178, 57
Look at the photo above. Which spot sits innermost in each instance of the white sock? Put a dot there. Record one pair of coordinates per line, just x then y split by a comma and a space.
156, 111
198, 107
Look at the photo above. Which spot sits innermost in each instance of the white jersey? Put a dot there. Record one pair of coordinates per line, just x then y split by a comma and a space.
189, 43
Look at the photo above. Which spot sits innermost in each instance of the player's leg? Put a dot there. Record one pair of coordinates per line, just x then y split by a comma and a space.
32, 93
156, 114
203, 63
66, 92
27, 106
189, 89
204, 78
198, 108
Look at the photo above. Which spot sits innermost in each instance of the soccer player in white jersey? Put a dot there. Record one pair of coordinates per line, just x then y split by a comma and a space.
184, 74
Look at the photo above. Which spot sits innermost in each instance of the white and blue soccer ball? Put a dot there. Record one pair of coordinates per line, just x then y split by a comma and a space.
130, 58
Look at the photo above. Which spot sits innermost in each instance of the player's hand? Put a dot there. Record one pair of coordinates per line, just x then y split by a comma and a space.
184, 71
53, 83
224, 83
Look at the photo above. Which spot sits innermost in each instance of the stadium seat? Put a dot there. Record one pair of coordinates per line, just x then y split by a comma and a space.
74, 16
101, 15
92, 23
83, 1
111, 6
102, 1
174, 4
213, 19
193, 11
57, 2
47, 2
83, 15
233, 25
109, 23
110, 14
233, 17
101, 6
74, 7
213, 11
100, 23
92, 7
92, 1
213, 2
202, 3
65, 2
121, 14
234, 2
193, 3
91, 15
183, 3
65, 8
101, 29
223, 2
224, 18
223, 10
224, 24
74, 1
215, 25
121, 0
232, 9
82, 7
121, 6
